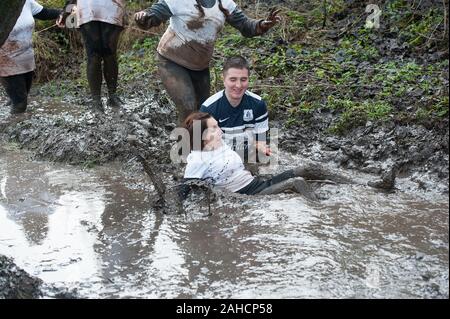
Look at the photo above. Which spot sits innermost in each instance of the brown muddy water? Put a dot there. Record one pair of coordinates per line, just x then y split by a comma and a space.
94, 231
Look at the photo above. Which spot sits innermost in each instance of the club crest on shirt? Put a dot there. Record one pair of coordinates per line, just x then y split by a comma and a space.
248, 115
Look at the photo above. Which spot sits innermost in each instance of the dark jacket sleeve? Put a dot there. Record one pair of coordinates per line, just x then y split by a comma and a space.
48, 14
159, 13
247, 26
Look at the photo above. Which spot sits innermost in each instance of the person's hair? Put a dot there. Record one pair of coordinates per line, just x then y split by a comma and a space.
188, 124
202, 12
224, 11
236, 62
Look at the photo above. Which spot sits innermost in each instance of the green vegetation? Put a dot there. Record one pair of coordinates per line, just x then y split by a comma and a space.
299, 67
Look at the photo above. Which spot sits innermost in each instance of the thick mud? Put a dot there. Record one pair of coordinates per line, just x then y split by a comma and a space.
15, 283
93, 230
69, 132
94, 233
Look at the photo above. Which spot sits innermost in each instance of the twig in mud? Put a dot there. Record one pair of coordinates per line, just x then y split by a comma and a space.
160, 187
157, 182
144, 31
109, 279
37, 32
358, 20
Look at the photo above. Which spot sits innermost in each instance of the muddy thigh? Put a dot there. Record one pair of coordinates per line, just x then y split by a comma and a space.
179, 85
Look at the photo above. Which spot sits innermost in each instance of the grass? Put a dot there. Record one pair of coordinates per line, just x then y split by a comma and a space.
297, 68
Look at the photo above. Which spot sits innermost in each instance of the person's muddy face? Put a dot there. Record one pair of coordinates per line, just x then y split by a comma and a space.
212, 136
236, 83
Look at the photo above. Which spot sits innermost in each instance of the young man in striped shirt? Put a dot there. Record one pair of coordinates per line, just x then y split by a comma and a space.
241, 114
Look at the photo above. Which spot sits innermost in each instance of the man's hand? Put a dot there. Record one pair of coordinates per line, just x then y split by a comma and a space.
270, 21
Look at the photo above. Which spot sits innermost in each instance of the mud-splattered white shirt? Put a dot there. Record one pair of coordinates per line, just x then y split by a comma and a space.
109, 11
16, 54
189, 40
223, 166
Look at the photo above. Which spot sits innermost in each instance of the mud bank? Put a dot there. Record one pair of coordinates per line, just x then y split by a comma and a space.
95, 232
413, 151
15, 283
68, 132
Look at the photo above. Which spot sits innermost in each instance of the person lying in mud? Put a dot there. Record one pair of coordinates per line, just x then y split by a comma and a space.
214, 161
241, 114
17, 63
186, 48
101, 23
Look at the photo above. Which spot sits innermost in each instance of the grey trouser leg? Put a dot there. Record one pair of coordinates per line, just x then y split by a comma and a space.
187, 88
317, 172
297, 184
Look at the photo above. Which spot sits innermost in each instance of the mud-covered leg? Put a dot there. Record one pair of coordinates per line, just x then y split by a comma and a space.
110, 40
201, 81
92, 41
318, 172
16, 89
297, 184
179, 86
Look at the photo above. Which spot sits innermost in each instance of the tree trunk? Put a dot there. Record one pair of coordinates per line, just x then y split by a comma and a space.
10, 10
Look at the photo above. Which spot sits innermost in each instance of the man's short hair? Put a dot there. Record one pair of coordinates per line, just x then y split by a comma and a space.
236, 62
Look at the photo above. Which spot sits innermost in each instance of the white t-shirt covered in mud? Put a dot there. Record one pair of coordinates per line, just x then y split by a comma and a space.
189, 40
223, 166
16, 54
109, 11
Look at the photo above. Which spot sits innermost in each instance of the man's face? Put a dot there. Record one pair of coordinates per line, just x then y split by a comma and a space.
236, 83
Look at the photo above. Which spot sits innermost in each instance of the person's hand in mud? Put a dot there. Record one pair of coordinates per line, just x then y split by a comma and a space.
263, 148
143, 20
272, 19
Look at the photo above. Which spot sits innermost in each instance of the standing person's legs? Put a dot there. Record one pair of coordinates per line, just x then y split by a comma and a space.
91, 34
110, 39
17, 88
202, 86
178, 83
28, 80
